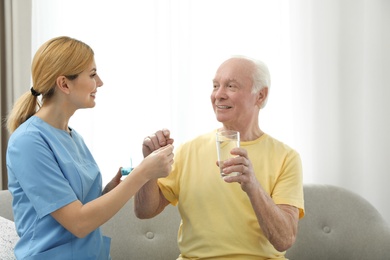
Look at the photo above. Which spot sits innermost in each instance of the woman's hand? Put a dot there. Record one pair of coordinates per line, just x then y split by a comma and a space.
158, 164
114, 182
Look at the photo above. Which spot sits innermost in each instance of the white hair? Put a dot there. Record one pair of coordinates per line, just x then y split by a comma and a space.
261, 76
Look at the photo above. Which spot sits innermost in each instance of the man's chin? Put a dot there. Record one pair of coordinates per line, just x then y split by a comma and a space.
221, 119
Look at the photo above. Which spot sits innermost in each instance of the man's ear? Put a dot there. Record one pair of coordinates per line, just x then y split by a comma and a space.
262, 96
62, 84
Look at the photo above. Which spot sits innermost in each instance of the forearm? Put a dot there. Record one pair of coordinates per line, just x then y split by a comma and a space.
149, 201
278, 222
81, 219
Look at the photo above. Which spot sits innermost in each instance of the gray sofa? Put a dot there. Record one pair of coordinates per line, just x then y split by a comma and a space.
338, 225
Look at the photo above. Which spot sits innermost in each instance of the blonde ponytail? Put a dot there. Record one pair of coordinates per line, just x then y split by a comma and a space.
25, 107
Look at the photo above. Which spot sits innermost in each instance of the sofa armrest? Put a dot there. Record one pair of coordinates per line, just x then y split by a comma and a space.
339, 224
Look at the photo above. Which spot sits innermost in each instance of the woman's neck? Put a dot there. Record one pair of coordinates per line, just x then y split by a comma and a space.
54, 116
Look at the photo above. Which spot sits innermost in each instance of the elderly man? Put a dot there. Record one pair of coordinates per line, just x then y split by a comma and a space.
250, 216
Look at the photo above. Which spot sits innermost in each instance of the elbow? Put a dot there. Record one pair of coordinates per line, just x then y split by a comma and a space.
79, 233
139, 214
81, 230
146, 208
139, 211
284, 244
142, 214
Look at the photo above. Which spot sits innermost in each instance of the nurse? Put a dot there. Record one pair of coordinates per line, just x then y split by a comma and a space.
58, 202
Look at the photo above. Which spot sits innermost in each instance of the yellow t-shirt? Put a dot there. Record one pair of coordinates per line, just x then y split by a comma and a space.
218, 220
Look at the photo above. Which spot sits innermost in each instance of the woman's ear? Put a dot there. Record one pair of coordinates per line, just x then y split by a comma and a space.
262, 96
62, 84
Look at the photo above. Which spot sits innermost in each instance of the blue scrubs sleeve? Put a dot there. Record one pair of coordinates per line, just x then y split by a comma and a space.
37, 171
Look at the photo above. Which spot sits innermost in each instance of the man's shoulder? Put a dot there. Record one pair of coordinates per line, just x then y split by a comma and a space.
277, 144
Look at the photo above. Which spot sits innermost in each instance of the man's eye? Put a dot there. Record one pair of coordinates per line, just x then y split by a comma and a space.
93, 75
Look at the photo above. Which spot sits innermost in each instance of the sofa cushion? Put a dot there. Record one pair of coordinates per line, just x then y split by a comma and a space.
8, 239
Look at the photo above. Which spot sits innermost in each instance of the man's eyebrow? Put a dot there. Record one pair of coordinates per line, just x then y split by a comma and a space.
228, 80
233, 80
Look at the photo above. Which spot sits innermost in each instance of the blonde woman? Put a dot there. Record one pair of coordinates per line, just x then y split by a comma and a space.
58, 202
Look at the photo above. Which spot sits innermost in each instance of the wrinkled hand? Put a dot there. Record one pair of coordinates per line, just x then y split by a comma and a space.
155, 141
158, 164
243, 165
114, 182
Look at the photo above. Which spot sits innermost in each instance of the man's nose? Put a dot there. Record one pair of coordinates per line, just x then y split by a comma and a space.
220, 93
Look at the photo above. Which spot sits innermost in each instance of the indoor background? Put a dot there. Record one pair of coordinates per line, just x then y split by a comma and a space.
329, 64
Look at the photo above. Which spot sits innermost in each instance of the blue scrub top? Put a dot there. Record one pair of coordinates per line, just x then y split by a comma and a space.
47, 169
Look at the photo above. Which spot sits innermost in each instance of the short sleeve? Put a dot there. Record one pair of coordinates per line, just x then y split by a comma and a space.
289, 187
34, 166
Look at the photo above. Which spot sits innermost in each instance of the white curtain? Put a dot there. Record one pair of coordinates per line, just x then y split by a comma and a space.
329, 62
341, 65
15, 47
